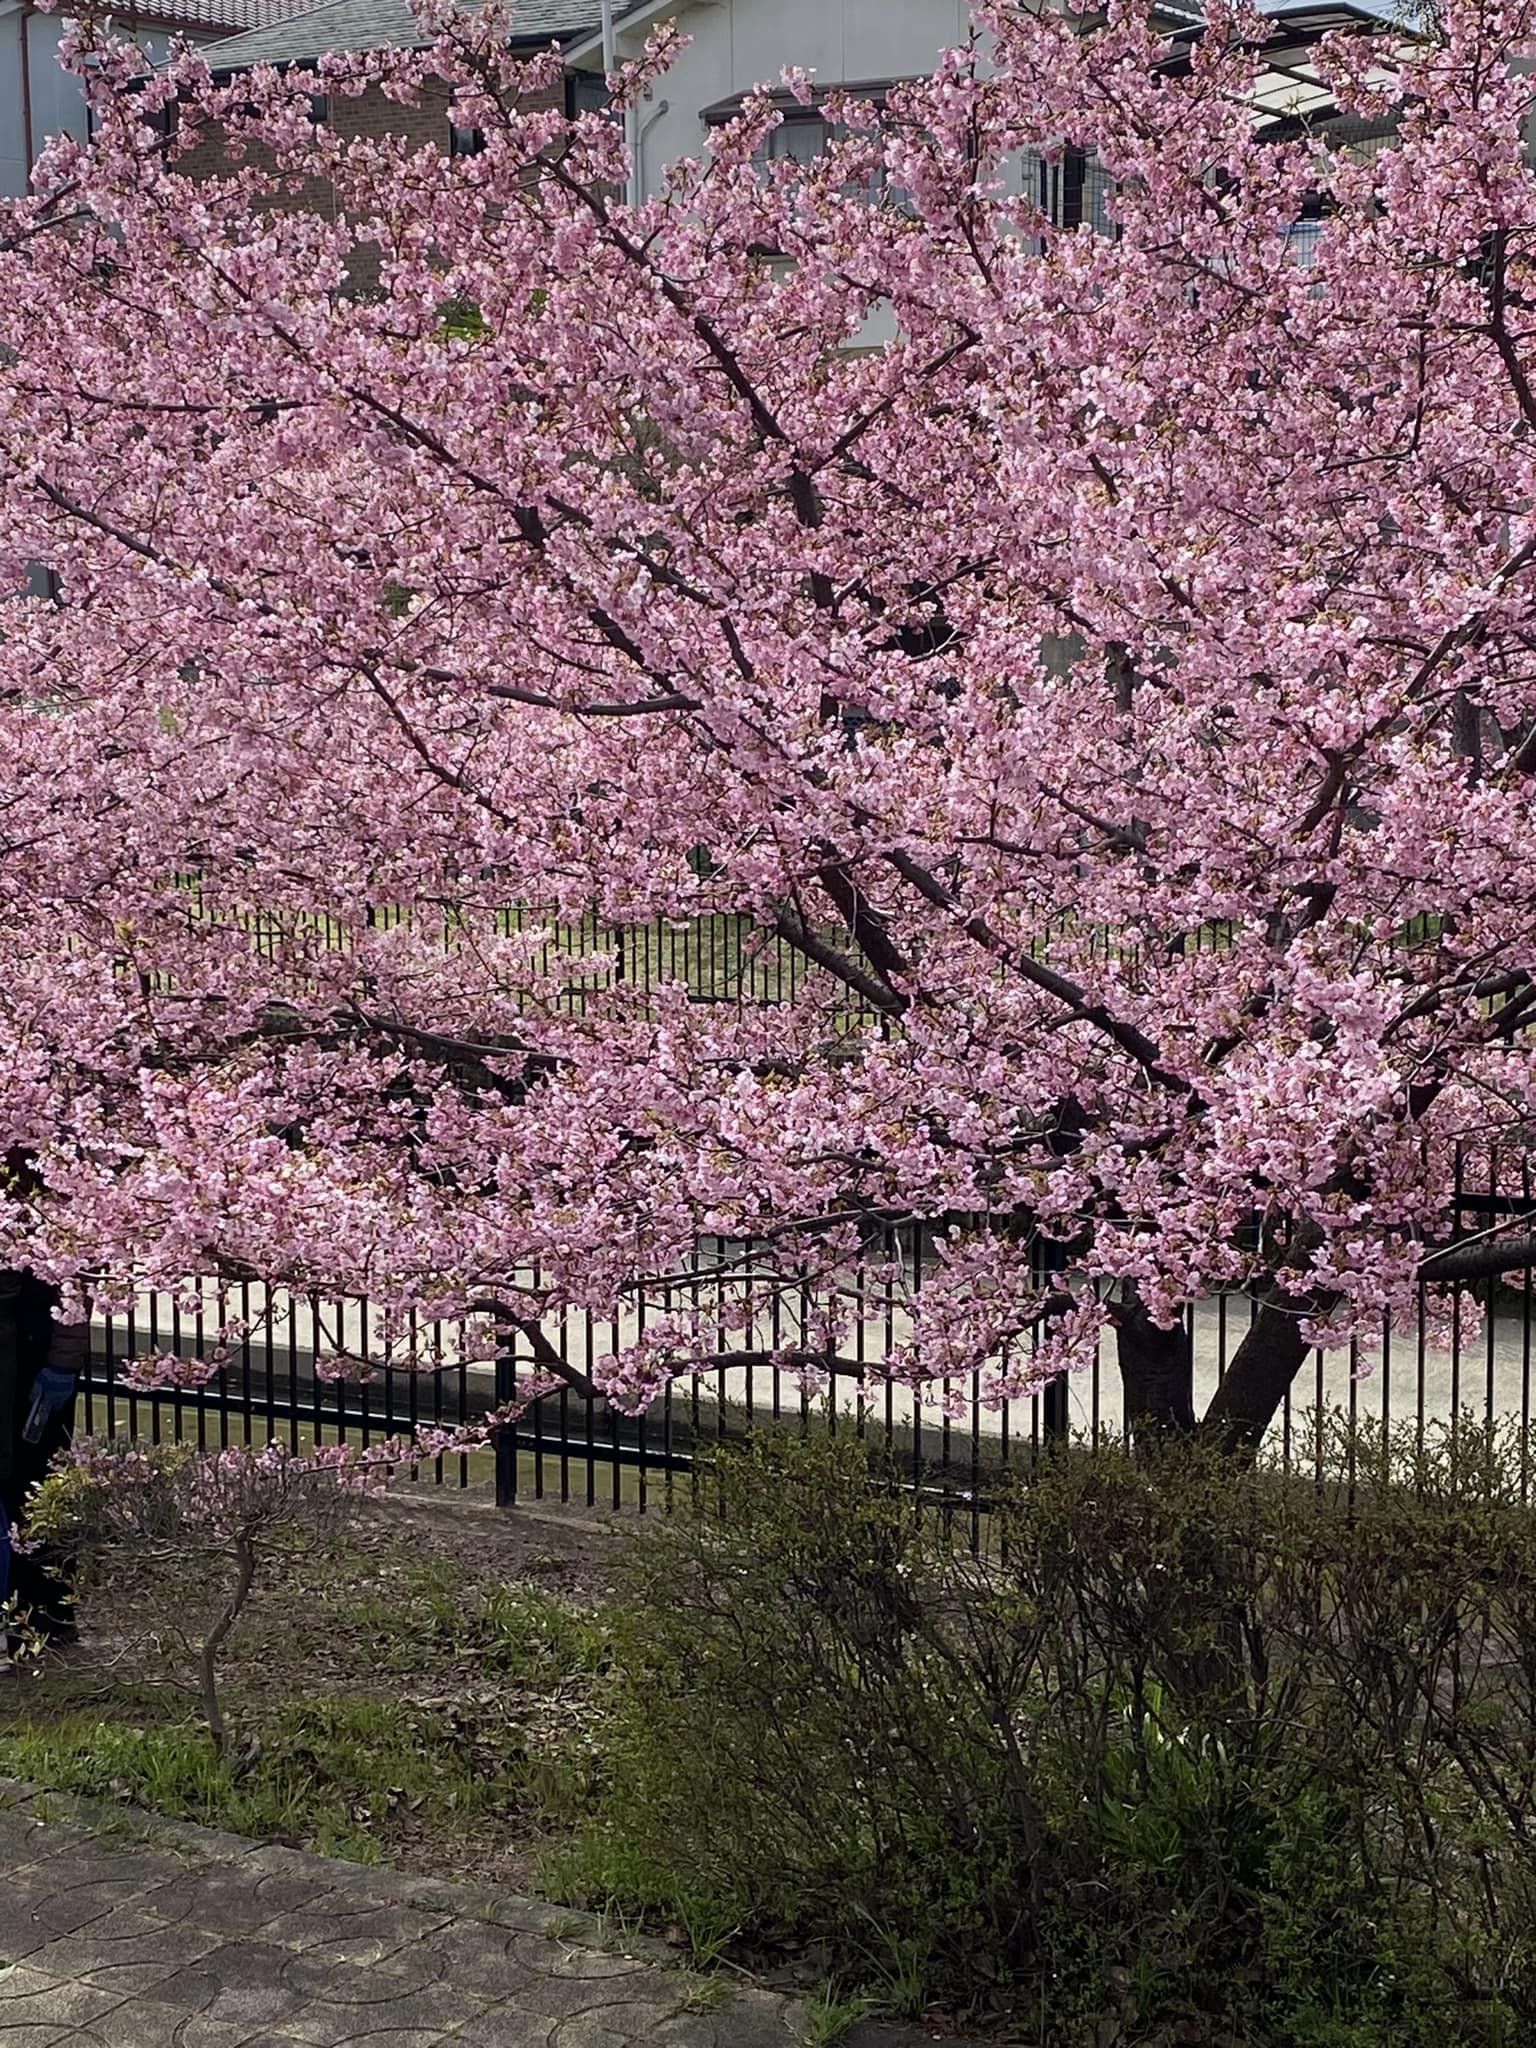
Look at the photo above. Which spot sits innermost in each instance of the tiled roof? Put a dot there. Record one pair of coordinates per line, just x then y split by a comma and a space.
359, 25
199, 17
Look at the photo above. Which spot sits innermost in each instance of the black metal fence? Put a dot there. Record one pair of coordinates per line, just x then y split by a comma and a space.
718, 956
276, 1381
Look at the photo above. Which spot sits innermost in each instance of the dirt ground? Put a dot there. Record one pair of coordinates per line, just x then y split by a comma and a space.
414, 1690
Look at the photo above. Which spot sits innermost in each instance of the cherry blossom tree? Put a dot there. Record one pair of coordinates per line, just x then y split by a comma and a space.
1114, 688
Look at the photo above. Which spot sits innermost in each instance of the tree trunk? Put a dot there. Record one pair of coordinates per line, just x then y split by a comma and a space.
245, 1578
1156, 1372
1262, 1368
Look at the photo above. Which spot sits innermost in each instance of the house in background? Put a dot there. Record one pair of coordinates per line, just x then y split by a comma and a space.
868, 45
358, 26
735, 45
39, 99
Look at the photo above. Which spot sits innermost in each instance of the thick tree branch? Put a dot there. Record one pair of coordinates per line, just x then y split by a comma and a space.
1482, 1257
1125, 1035
875, 992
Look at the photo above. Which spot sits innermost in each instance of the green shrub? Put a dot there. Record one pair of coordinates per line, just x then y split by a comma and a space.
1191, 1754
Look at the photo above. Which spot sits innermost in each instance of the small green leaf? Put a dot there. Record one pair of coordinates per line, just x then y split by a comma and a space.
462, 320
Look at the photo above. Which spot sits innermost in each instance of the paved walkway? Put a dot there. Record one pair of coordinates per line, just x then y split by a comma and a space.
118, 1931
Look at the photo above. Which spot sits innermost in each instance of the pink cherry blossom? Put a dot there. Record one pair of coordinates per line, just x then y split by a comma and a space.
1114, 693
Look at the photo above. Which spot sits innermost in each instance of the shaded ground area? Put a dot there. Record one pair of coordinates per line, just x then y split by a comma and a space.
414, 1692
174, 1937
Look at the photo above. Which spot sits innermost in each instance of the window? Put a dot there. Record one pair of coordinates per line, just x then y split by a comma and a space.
1301, 240
1070, 189
1305, 233
585, 93
803, 136
320, 108
799, 138
464, 141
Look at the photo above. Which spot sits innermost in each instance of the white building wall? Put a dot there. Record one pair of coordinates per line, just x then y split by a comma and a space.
737, 44
57, 103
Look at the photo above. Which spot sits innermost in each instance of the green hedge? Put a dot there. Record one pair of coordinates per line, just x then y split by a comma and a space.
1191, 1755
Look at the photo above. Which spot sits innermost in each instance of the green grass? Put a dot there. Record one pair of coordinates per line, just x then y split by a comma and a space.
829, 2019
332, 1773
706, 1995
515, 1632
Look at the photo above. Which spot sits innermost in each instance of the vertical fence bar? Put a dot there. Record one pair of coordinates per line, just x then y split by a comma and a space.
439, 1367
917, 1378
131, 1352
269, 1367
1354, 1412
616, 1462
1457, 1225
364, 1386
590, 1411
1525, 1346
564, 1408
505, 1444
538, 1430
1422, 1371
889, 1245
202, 1383
340, 1384
152, 1338
178, 1399
1287, 1411
695, 1410
413, 1385
1491, 1318
461, 1389
1057, 1401
749, 1312
722, 1345
245, 1361
316, 1385
642, 1474
975, 1462
564, 1348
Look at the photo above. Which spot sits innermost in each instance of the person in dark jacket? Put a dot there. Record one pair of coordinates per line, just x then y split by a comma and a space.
41, 1363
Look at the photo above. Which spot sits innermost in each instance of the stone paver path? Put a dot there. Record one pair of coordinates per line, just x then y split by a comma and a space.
119, 1932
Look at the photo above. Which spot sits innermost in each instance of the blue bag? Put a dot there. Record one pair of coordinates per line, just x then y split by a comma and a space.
53, 1389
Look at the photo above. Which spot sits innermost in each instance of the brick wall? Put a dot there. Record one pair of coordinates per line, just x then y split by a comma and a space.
371, 114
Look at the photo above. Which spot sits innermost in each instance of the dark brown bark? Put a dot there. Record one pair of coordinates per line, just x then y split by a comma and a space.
1262, 1368
1156, 1372
1270, 1356
208, 1656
